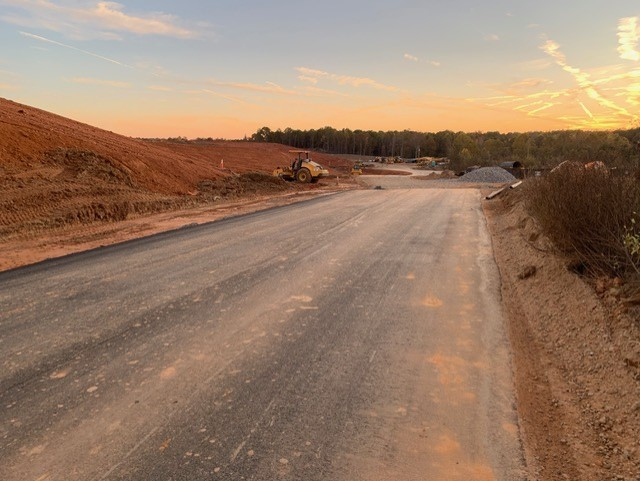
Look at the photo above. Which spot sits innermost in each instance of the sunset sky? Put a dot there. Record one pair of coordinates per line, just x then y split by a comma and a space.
224, 68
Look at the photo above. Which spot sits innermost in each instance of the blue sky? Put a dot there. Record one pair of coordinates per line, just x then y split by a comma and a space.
226, 68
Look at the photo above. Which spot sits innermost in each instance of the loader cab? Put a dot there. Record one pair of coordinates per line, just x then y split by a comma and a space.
301, 156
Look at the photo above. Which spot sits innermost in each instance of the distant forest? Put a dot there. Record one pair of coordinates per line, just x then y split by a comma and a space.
534, 149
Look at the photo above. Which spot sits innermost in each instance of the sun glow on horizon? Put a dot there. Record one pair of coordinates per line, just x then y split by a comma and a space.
146, 73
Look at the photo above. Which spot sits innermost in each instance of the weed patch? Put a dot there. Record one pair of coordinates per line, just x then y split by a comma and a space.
591, 215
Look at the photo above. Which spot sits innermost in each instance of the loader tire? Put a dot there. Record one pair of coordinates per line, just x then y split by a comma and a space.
303, 176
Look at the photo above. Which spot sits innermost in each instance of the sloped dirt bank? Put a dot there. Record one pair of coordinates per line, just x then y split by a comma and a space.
75, 187
576, 357
57, 174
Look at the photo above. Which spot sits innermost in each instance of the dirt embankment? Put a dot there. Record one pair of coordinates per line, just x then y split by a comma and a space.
57, 173
576, 356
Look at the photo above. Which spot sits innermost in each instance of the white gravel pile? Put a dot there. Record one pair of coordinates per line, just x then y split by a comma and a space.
489, 175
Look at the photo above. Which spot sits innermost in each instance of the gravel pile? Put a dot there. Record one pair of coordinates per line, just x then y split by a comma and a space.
489, 175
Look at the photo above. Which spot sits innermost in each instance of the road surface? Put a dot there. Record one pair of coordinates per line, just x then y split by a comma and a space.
353, 337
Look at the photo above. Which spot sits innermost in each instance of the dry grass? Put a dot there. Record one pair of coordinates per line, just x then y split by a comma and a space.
589, 214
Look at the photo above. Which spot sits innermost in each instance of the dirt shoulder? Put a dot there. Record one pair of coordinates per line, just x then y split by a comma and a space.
73, 238
576, 357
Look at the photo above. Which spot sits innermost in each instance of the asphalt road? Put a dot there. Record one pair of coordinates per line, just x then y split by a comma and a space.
353, 337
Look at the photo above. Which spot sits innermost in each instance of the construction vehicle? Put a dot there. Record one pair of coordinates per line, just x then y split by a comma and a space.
356, 169
302, 169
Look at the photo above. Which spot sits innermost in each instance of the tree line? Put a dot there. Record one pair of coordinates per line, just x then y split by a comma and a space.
533, 149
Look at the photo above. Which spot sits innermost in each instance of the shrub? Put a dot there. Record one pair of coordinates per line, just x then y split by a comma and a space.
590, 214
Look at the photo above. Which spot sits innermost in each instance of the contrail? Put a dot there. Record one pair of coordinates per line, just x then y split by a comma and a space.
43, 39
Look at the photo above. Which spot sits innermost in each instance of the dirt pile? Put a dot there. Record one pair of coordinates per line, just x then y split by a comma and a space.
242, 185
577, 356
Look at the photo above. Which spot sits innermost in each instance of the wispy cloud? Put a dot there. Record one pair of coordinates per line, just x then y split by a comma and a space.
605, 97
586, 110
318, 92
629, 38
633, 94
225, 97
344, 79
268, 87
86, 52
413, 58
519, 87
492, 37
307, 79
584, 81
104, 83
91, 19
530, 83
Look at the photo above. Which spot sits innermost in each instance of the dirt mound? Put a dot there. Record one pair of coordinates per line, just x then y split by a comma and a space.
489, 175
78, 164
250, 183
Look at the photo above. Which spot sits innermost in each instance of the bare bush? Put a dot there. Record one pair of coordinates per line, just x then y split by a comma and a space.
590, 214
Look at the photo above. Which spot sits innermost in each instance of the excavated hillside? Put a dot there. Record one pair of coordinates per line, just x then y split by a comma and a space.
57, 172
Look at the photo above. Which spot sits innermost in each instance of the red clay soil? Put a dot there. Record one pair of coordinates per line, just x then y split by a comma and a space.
27, 134
56, 172
576, 356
